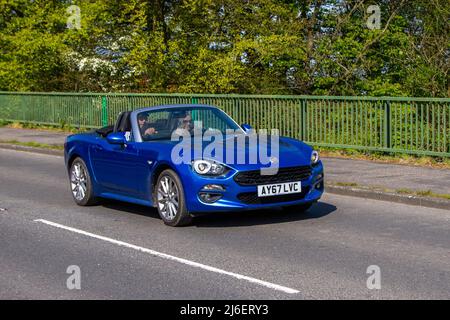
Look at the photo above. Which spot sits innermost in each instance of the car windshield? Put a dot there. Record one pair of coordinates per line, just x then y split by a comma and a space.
160, 124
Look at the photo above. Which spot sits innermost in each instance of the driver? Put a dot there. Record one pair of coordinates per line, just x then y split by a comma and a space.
144, 127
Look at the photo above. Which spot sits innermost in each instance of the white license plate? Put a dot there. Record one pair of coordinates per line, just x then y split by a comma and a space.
279, 188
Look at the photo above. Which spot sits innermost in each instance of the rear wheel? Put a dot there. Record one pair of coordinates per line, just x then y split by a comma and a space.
170, 200
81, 184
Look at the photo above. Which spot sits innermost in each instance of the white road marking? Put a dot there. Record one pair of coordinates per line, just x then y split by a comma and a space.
173, 258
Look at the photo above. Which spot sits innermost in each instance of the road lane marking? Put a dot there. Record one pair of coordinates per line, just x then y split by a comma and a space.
173, 258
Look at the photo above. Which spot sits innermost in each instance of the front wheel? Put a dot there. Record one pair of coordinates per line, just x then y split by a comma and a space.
170, 201
81, 184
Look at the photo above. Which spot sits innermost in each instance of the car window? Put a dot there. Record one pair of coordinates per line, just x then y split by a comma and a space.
210, 120
161, 124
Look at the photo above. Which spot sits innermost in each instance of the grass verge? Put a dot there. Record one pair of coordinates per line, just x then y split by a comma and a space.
59, 128
423, 193
422, 161
33, 144
346, 184
402, 191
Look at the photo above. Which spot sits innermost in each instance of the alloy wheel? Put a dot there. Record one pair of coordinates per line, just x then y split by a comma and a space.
78, 181
168, 198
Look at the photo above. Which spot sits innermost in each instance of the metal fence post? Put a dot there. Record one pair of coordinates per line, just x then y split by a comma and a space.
387, 125
104, 111
303, 107
22, 104
53, 112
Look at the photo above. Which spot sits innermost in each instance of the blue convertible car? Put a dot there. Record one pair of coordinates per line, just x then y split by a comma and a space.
188, 159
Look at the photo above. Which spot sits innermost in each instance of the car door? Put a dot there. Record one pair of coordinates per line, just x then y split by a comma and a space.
148, 155
115, 166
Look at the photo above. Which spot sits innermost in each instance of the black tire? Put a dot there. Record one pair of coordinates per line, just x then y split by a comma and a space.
88, 199
299, 208
182, 216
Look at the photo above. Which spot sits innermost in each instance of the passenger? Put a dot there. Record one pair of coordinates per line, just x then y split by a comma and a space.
184, 124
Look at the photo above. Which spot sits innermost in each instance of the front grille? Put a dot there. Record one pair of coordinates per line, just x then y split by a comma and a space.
252, 197
254, 177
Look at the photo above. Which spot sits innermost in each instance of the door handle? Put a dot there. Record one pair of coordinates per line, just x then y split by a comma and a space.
96, 147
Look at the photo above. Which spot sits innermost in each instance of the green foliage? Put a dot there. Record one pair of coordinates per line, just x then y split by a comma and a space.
229, 46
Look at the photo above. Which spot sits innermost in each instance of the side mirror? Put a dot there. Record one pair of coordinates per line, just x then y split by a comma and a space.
246, 127
117, 138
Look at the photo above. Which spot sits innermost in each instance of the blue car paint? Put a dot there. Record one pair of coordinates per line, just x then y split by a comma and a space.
126, 173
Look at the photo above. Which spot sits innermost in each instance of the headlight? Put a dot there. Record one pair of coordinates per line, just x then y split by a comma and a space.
314, 157
208, 167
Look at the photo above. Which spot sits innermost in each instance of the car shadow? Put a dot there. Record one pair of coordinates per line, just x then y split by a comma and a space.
261, 217
132, 208
233, 219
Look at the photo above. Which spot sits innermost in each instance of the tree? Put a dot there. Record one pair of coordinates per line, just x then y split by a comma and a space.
227, 46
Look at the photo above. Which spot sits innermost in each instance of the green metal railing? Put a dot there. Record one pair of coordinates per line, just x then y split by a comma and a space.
392, 124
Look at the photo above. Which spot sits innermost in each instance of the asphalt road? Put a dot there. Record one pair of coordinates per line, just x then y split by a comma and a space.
125, 251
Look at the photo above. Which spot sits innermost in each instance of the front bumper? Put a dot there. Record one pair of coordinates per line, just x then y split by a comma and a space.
237, 197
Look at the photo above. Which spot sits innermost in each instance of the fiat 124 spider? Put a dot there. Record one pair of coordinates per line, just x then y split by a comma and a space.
138, 160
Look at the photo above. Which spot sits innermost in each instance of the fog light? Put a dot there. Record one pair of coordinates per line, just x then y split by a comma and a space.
216, 187
209, 197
